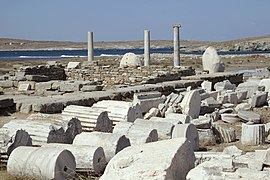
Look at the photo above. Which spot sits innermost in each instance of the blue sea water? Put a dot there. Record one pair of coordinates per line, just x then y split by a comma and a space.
67, 54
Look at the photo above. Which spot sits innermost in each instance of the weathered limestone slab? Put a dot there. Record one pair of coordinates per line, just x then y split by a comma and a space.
43, 86
191, 104
42, 163
249, 116
253, 134
66, 86
259, 99
137, 133
164, 129
226, 133
211, 61
73, 65
24, 87
178, 118
111, 143
88, 158
137, 162
130, 60
188, 131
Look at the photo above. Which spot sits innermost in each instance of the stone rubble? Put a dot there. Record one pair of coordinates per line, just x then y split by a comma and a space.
148, 121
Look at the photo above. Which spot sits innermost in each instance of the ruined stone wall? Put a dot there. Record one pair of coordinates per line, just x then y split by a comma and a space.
54, 72
113, 75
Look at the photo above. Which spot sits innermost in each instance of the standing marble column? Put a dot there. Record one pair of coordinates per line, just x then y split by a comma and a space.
176, 43
146, 48
90, 46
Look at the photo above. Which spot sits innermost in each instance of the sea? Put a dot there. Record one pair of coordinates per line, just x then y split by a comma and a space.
24, 55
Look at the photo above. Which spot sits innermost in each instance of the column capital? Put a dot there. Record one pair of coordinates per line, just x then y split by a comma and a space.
177, 26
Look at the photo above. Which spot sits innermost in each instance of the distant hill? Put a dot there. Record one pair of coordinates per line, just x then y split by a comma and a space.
18, 44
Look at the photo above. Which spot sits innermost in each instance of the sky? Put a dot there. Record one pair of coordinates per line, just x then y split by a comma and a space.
125, 20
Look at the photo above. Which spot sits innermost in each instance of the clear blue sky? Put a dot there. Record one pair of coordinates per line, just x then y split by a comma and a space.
123, 20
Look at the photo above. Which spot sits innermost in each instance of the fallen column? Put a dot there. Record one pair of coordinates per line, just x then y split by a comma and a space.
88, 158
164, 129
168, 159
119, 110
188, 131
91, 120
43, 132
42, 163
111, 143
137, 133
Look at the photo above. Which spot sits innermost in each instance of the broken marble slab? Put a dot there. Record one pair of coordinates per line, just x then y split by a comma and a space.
249, 116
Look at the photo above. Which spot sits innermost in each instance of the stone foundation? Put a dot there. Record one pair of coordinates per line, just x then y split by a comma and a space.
113, 75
